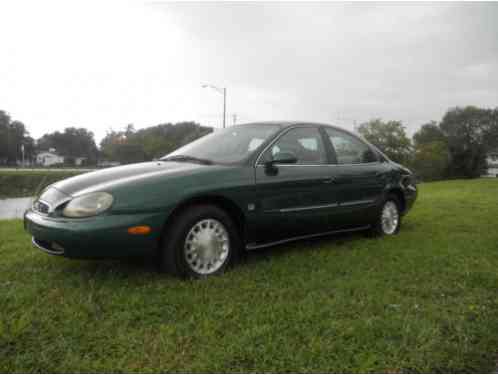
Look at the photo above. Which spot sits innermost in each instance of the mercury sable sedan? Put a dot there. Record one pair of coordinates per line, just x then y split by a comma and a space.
243, 188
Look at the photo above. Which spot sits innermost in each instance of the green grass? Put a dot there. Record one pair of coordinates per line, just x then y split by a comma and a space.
28, 183
423, 301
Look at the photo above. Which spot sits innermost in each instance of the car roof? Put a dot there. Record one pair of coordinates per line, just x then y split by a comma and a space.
286, 124
269, 123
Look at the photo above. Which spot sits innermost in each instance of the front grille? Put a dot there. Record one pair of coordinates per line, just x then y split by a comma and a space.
50, 199
41, 207
52, 196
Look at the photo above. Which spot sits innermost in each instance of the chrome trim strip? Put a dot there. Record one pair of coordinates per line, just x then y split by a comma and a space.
305, 208
269, 244
298, 165
326, 165
352, 203
44, 249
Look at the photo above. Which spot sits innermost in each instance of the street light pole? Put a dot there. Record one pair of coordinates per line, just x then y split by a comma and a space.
222, 91
224, 106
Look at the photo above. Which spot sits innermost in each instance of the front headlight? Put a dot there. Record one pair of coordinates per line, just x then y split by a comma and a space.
88, 205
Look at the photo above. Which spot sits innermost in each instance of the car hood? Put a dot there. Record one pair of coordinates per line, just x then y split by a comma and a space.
111, 177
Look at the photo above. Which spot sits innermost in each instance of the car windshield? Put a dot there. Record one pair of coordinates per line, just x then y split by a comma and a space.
230, 145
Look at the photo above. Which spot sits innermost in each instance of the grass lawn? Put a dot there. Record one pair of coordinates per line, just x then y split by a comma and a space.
15, 184
425, 300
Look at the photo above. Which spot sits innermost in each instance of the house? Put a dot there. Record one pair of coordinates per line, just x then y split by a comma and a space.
492, 161
48, 158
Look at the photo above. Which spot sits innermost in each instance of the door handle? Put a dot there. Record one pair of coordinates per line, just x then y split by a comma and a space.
329, 180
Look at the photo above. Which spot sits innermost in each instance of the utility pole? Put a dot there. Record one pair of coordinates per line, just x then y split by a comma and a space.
7, 160
234, 116
8, 144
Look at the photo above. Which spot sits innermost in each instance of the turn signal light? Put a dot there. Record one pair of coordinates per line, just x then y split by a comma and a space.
141, 229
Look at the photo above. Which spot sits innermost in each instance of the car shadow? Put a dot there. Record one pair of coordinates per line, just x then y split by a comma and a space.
301, 246
124, 268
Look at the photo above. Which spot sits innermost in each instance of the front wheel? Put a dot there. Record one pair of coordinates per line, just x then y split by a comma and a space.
388, 220
202, 242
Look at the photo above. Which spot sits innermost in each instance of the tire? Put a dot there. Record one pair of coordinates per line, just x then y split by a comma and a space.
383, 224
203, 241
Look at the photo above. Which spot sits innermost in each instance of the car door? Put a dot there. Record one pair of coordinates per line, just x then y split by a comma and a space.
359, 175
295, 199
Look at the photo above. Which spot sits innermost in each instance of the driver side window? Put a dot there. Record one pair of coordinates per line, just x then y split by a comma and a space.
305, 144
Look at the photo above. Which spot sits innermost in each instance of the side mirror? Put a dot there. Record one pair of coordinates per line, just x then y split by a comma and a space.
279, 158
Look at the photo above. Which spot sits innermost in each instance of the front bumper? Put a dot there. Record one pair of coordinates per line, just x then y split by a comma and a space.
51, 248
104, 236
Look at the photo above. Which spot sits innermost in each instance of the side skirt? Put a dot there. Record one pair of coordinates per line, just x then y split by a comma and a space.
253, 246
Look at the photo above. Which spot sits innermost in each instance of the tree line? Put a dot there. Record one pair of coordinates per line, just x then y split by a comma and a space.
455, 147
126, 146
131, 146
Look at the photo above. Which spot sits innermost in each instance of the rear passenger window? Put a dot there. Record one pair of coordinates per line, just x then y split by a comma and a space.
349, 149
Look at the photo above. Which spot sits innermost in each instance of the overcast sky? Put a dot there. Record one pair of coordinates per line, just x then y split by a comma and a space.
103, 65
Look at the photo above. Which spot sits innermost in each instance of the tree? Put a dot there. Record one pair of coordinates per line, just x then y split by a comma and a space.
13, 135
72, 143
4, 136
390, 137
429, 133
431, 160
491, 133
467, 130
431, 153
130, 145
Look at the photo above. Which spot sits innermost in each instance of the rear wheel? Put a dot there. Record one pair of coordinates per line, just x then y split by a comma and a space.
203, 241
388, 219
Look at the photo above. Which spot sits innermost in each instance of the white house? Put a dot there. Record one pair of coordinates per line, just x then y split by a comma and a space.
48, 158
492, 160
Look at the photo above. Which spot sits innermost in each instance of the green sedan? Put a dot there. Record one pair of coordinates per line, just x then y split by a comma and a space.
246, 187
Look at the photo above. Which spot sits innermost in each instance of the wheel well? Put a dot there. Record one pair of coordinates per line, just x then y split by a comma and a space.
234, 211
401, 198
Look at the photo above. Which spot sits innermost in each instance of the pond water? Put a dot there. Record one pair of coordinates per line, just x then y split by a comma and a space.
13, 208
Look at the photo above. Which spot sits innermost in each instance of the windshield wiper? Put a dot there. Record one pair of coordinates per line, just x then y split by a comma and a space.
186, 158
